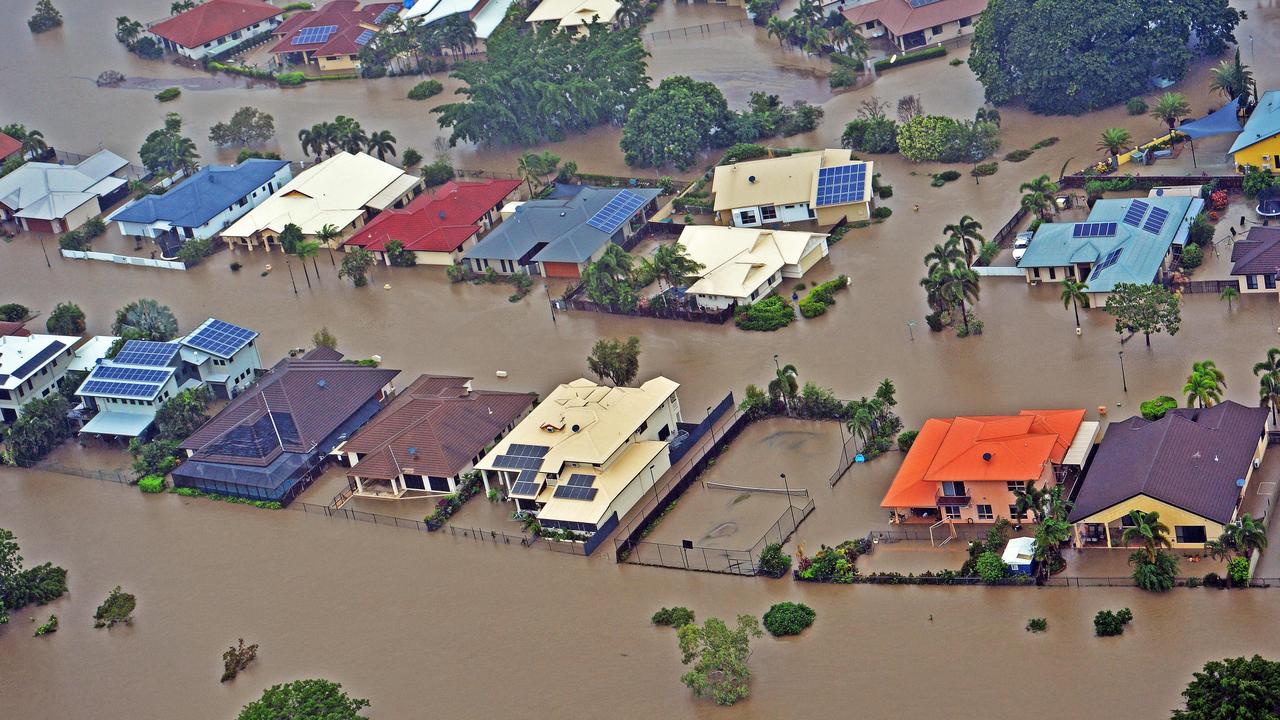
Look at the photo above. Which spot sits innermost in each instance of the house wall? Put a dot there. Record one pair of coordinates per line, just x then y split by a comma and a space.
1265, 155
754, 215
1169, 515
635, 489
41, 384
994, 493
807, 262
852, 212
1263, 283
213, 47
338, 62
218, 222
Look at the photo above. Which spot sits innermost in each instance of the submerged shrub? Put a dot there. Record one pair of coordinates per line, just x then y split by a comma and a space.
788, 618
673, 617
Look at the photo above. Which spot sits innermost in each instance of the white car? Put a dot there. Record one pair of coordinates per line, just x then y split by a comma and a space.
1020, 244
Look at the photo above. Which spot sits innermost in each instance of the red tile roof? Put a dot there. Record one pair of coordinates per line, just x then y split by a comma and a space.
14, 329
901, 19
444, 423
349, 17
213, 19
439, 222
8, 146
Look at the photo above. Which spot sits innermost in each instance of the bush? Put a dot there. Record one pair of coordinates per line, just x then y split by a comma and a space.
1192, 256
74, 240
1212, 580
872, 135
913, 56
991, 567
885, 192
934, 321
1136, 106
1157, 576
984, 169
1109, 624
151, 484
50, 626
291, 79
766, 315
741, 152
1017, 155
673, 617
949, 175
881, 212
833, 564
117, 608
788, 618
1037, 625
437, 173
1238, 571
936, 138
1156, 408
235, 266
774, 562
906, 439
426, 89
1047, 142
37, 585
168, 94
410, 157
194, 250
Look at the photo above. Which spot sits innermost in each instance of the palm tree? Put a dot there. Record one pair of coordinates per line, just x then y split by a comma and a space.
816, 39
1229, 293
147, 319
33, 144
1114, 140
944, 256
312, 140
675, 267
861, 421
1038, 196
1233, 79
326, 236
1148, 531
958, 285
1268, 374
1049, 535
785, 385
1073, 294
966, 234
1033, 499
1171, 107
779, 28
309, 249
1244, 535
382, 144
349, 136
1205, 384
127, 30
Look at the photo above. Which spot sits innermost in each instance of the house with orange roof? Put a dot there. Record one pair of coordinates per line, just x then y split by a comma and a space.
331, 37
970, 469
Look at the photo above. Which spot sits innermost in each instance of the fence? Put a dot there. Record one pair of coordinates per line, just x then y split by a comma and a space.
960, 531
123, 259
1146, 182
1206, 286
710, 316
681, 447
718, 560
115, 476
695, 31
998, 271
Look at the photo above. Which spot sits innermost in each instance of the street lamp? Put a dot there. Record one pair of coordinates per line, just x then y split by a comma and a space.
911, 324
1123, 381
43, 250
551, 303
791, 505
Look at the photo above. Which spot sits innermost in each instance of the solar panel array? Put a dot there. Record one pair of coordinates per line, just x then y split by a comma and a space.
146, 353
526, 488
922, 3
311, 35
517, 462
119, 389
519, 450
1094, 229
220, 338
1107, 262
385, 15
575, 492
114, 372
582, 480
841, 184
1133, 216
1155, 221
616, 212
364, 37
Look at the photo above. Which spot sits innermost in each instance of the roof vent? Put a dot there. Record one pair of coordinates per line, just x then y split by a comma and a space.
413, 451
751, 179
575, 428
441, 214
986, 456
321, 383
562, 213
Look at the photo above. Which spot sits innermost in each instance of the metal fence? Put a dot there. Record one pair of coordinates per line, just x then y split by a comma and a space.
960, 531
115, 476
695, 31
1206, 286
718, 560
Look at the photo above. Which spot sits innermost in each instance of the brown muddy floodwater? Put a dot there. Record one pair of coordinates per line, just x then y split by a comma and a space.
432, 626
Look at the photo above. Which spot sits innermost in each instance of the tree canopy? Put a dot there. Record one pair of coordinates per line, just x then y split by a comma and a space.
166, 150
1147, 309
183, 414
617, 360
304, 700
1239, 688
66, 319
719, 656
1066, 57
247, 126
669, 125
145, 319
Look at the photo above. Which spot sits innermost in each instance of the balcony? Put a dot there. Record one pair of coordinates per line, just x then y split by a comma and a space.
953, 500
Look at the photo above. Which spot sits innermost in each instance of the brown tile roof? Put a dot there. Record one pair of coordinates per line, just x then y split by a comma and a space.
1190, 458
441, 421
213, 19
292, 408
901, 19
1258, 253
16, 329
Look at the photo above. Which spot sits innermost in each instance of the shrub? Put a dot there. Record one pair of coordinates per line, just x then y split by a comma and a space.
885, 192
1156, 408
955, 62
774, 562
1192, 256
291, 79
1037, 625
194, 250
881, 212
410, 157
766, 315
1047, 142
117, 608
743, 151
934, 321
1238, 571
872, 135
833, 564
169, 93
906, 439
1193, 582
1109, 624
425, 89
237, 658
1017, 155
1212, 580
673, 617
1154, 576
50, 626
913, 56
437, 173
788, 618
74, 240
235, 266
949, 175
151, 484
991, 567
937, 181
984, 169
1136, 106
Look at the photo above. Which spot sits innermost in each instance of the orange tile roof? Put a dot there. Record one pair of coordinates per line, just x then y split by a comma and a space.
981, 448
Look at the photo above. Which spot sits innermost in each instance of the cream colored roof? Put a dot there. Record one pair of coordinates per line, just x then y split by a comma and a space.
1081, 444
569, 13
736, 261
333, 192
609, 483
778, 181
605, 418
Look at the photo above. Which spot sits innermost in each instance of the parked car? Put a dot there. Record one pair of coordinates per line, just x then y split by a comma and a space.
1020, 244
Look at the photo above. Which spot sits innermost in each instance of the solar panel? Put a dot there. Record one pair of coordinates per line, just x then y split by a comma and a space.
841, 184
922, 3
575, 492
1155, 221
1094, 229
616, 212
515, 462
582, 480
364, 37
114, 372
220, 338
311, 35
525, 488
146, 353
1106, 262
121, 389
518, 450
1133, 216
385, 15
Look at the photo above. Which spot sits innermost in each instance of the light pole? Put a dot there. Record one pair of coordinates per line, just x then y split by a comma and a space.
911, 325
787, 488
1123, 381
46, 252
550, 303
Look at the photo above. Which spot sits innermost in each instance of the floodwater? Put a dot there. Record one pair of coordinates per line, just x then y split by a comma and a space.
417, 622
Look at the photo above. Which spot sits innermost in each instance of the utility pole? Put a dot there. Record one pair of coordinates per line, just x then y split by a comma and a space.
1123, 381
787, 488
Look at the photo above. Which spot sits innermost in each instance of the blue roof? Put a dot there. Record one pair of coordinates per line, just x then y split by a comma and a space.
198, 199
1262, 124
1132, 254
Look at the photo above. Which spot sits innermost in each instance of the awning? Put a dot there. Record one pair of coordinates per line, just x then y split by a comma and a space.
1223, 121
117, 423
1019, 551
1081, 444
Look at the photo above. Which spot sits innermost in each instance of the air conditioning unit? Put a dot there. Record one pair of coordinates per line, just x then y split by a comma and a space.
1257, 463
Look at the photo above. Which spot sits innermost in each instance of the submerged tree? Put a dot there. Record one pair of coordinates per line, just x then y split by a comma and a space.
719, 657
355, 266
66, 319
117, 608
248, 126
615, 360
305, 700
1247, 689
325, 339
145, 319
1144, 308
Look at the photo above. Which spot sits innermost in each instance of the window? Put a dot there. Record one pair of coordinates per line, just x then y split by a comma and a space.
966, 22
1269, 282
951, 511
1035, 272
1126, 521
769, 212
984, 512
1251, 281
1013, 512
747, 217
953, 489
1016, 485
936, 30
1189, 533
1053, 273
871, 25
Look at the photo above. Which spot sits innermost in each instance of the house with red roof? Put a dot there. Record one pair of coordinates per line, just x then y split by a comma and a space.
8, 147
912, 23
331, 37
214, 26
438, 228
970, 469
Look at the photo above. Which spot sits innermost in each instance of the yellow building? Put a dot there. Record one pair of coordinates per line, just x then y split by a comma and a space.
1193, 467
1258, 145
575, 14
823, 187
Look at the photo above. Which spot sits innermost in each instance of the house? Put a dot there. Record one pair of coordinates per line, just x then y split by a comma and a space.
202, 205
970, 469
274, 438
1258, 144
9, 147
56, 198
823, 186
742, 265
214, 26
587, 452
30, 368
127, 390
1192, 466
575, 14
435, 431
910, 24
485, 15
1125, 240
559, 237
331, 36
344, 191
1255, 260
437, 228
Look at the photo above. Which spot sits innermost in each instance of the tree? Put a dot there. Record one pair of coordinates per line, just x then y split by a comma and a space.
1229, 294
398, 256
967, 235
309, 249
1146, 530
719, 657
167, 150
117, 608
181, 6
673, 266
312, 140
672, 123
381, 143
784, 385
1114, 140
184, 413
33, 144
355, 266
14, 312
1157, 573
608, 280
248, 126
1035, 52
1204, 384
45, 18
10, 566
1268, 374
1244, 536
1038, 196
304, 700
157, 457
66, 319
1248, 689
1233, 79
325, 339
937, 138
778, 27
1144, 308
958, 285
41, 427
1033, 499
1073, 295
616, 361
535, 167
1170, 108
145, 319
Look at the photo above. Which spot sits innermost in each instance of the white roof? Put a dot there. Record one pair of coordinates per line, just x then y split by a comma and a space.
16, 354
571, 13
93, 350
489, 17
1081, 444
116, 422
333, 192
43, 188
737, 261
1019, 551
